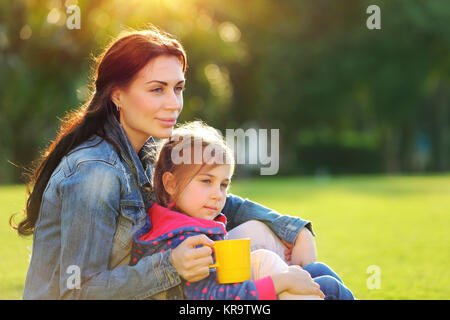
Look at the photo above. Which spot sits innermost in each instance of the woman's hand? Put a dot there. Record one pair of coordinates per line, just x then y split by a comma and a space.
296, 281
192, 264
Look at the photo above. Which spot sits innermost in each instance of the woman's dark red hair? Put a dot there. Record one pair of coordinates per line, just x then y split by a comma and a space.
115, 67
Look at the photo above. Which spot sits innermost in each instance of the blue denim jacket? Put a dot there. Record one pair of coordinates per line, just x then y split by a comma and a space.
94, 202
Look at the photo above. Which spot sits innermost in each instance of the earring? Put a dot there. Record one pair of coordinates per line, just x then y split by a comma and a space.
118, 108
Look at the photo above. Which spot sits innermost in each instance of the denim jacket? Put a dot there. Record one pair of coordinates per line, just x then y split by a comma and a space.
94, 202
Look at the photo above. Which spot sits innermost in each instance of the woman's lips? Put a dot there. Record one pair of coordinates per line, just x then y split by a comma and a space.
167, 122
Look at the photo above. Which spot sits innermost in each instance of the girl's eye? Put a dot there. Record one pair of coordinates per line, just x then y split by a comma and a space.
224, 185
206, 181
180, 89
157, 90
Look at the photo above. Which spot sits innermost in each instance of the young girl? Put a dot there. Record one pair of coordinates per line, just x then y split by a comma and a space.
190, 195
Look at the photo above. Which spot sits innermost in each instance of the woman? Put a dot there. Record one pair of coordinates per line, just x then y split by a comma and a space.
92, 188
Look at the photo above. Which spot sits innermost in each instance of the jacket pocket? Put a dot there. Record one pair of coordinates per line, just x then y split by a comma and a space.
131, 218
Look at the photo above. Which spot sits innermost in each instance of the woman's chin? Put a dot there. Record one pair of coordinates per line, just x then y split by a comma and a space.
163, 133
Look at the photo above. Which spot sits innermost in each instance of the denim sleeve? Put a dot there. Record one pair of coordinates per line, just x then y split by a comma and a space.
238, 211
90, 206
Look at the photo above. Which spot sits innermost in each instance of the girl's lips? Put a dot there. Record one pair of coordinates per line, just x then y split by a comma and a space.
168, 122
210, 208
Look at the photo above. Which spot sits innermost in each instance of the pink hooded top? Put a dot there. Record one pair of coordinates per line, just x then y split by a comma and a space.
166, 229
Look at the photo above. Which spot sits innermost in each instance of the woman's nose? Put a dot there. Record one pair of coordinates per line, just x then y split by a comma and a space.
173, 102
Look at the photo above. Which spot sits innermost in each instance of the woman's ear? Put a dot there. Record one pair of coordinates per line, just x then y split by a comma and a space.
169, 183
115, 96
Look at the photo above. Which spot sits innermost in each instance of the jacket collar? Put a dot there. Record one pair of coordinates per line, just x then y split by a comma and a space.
142, 163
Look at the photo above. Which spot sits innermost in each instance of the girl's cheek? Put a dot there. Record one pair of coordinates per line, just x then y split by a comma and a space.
201, 192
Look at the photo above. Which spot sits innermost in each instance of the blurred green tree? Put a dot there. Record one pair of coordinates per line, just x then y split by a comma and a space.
345, 98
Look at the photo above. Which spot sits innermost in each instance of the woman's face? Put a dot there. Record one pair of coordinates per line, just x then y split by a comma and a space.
152, 102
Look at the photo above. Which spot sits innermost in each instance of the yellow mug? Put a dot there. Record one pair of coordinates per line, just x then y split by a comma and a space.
233, 262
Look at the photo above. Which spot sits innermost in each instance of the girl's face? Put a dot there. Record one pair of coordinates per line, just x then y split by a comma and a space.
205, 195
152, 102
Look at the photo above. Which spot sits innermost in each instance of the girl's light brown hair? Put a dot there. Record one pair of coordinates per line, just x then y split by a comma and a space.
188, 137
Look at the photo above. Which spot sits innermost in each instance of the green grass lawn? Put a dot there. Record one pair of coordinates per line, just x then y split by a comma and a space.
399, 224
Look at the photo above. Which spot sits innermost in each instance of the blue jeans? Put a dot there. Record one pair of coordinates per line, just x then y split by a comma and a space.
331, 285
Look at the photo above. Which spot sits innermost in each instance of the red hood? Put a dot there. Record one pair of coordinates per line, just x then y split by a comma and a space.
164, 220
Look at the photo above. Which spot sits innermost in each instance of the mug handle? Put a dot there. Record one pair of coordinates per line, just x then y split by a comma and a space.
214, 265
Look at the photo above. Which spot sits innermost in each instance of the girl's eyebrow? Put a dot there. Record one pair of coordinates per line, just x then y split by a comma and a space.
163, 82
211, 175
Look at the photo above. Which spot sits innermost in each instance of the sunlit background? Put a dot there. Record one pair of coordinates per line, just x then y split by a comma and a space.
347, 100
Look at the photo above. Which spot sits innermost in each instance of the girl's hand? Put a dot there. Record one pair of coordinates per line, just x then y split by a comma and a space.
296, 281
288, 251
192, 264
302, 283
303, 252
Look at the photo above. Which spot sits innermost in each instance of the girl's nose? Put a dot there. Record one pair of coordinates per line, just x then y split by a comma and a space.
216, 195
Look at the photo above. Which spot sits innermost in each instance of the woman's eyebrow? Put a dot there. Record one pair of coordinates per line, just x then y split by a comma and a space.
163, 82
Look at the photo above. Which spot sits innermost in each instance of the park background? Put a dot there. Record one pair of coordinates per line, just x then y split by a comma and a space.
364, 117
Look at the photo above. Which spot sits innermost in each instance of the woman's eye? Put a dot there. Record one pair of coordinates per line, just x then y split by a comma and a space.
206, 181
157, 90
180, 89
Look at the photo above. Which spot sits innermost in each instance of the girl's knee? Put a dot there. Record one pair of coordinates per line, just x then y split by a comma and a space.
256, 227
257, 256
264, 253
257, 231
265, 262
261, 236
252, 229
